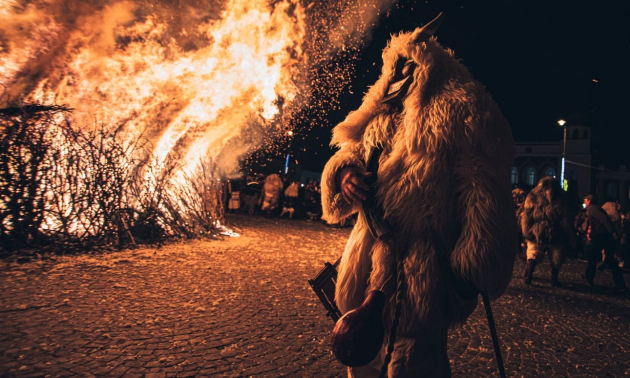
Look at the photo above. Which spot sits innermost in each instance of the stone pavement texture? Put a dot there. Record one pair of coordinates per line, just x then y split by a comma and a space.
241, 307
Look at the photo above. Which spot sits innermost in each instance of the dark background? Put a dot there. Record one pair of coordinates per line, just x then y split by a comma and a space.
540, 61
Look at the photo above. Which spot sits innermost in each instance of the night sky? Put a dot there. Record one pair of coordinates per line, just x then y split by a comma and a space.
540, 61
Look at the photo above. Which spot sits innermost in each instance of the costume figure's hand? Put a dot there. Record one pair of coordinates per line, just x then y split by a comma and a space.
353, 187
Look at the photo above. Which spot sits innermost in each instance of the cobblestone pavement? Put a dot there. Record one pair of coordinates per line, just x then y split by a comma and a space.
242, 307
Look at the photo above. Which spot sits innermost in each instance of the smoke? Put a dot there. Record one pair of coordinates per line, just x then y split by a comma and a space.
201, 78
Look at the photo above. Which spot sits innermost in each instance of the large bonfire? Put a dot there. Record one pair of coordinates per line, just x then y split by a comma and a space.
147, 104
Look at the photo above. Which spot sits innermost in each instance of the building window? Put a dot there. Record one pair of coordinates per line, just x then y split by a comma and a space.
612, 190
531, 176
550, 172
528, 150
585, 134
514, 175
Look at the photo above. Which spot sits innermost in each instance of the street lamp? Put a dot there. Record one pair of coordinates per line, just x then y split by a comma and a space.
286, 164
562, 124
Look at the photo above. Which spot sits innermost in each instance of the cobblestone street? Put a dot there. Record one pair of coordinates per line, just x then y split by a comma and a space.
241, 306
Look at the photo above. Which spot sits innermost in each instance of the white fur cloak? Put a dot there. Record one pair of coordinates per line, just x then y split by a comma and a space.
443, 183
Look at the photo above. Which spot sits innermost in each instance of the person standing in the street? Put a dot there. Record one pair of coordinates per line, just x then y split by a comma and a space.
442, 189
290, 199
612, 210
546, 227
603, 237
312, 201
518, 196
580, 224
234, 203
271, 193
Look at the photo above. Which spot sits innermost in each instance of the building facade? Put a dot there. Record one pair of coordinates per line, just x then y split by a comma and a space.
538, 159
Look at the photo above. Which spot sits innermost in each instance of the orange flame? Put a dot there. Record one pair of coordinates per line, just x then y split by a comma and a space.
187, 102
191, 80
203, 82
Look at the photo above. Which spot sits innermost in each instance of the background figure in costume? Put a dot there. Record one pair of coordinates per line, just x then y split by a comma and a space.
612, 210
546, 227
443, 185
518, 196
271, 193
603, 238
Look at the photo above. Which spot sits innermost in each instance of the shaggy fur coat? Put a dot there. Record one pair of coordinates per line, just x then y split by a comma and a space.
444, 186
613, 214
271, 192
545, 218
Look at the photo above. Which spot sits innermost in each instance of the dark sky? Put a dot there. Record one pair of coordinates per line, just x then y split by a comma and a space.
540, 61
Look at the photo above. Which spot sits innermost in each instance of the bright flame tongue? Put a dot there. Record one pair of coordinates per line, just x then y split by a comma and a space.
196, 82
189, 103
213, 81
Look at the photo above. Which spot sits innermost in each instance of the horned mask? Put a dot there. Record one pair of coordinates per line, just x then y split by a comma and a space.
402, 75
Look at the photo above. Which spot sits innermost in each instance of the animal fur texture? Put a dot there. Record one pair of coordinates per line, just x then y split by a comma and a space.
271, 192
545, 218
444, 185
613, 214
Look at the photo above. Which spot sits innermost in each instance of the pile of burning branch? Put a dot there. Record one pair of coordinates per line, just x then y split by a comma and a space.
66, 187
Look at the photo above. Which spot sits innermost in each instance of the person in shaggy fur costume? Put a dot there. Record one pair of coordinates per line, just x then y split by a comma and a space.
443, 186
518, 196
603, 238
271, 193
546, 227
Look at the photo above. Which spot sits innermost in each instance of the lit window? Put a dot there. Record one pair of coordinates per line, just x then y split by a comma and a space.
514, 175
531, 176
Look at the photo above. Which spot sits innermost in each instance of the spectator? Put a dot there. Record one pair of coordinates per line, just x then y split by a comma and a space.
251, 194
584, 241
290, 199
312, 201
234, 202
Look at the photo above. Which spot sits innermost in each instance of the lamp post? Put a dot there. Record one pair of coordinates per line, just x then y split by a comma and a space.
562, 124
286, 164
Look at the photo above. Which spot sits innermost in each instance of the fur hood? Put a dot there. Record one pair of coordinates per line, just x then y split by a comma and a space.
442, 102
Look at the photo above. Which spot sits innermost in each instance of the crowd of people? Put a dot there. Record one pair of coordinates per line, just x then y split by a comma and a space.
274, 196
550, 226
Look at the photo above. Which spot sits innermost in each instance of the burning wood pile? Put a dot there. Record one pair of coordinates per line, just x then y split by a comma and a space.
68, 187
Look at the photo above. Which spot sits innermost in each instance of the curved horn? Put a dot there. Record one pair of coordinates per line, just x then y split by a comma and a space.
424, 33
